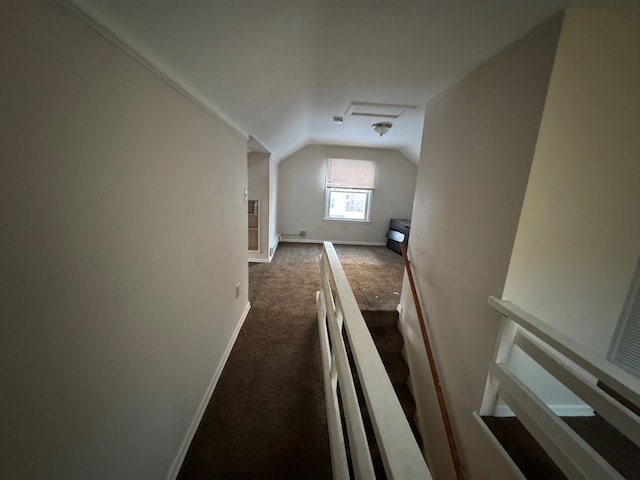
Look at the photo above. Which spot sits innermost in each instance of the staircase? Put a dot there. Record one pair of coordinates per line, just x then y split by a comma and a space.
389, 342
534, 462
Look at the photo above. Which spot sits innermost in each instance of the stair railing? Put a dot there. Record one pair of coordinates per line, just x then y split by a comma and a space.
453, 449
570, 363
338, 312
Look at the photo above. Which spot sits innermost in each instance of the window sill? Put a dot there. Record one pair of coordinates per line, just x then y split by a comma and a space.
345, 220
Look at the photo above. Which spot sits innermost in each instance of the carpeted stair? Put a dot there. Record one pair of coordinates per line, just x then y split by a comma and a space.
533, 461
388, 340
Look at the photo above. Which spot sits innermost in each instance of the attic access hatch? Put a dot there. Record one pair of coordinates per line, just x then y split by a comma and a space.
378, 110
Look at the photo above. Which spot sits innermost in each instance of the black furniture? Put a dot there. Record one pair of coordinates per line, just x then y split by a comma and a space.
398, 232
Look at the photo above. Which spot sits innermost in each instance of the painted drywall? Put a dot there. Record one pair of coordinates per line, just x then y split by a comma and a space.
478, 144
123, 236
579, 235
273, 207
258, 170
301, 194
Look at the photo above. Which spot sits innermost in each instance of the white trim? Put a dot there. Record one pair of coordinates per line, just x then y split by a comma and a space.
274, 246
418, 417
494, 441
150, 66
611, 410
345, 220
339, 463
501, 354
568, 450
335, 242
562, 410
613, 376
186, 442
334, 318
398, 448
259, 260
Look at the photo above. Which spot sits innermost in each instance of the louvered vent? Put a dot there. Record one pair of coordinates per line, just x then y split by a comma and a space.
627, 350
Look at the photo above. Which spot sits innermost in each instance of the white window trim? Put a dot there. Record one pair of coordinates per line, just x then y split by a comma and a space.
327, 196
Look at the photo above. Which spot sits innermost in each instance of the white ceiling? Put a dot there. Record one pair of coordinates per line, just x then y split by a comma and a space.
279, 70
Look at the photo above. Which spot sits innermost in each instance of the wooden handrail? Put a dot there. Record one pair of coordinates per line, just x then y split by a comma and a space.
455, 457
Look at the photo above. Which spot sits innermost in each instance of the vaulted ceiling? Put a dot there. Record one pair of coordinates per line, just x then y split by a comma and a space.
279, 70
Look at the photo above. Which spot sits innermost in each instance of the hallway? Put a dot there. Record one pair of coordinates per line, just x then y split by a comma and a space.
266, 418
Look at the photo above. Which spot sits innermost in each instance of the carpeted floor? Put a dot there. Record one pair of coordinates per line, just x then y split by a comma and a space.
266, 418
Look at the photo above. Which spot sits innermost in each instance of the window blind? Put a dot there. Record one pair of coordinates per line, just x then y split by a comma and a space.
627, 347
344, 173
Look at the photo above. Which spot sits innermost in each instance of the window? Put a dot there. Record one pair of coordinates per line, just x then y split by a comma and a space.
625, 349
350, 186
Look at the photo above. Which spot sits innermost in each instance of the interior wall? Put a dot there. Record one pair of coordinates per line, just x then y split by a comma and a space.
478, 144
301, 196
578, 241
273, 204
123, 237
258, 184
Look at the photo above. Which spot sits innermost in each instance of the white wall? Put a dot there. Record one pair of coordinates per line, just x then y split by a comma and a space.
273, 207
123, 236
301, 196
258, 171
263, 185
478, 143
578, 241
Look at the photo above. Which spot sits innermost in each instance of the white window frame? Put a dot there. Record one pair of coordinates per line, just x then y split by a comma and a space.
367, 212
624, 336
329, 189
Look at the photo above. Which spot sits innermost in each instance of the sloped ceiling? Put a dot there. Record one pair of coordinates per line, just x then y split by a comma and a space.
279, 70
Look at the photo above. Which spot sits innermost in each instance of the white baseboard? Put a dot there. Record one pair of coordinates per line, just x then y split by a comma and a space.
335, 242
562, 410
258, 260
274, 247
184, 447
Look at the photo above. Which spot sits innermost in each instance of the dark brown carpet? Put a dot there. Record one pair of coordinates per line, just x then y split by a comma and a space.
266, 418
534, 463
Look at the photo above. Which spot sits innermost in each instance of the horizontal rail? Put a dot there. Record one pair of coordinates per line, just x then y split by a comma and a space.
339, 464
517, 474
400, 453
358, 446
627, 422
618, 379
567, 449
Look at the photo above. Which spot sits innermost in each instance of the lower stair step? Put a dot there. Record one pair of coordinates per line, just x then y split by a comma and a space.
380, 318
534, 462
387, 339
406, 400
396, 367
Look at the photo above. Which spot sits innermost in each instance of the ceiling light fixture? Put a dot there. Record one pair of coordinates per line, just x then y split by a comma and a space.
382, 128
338, 120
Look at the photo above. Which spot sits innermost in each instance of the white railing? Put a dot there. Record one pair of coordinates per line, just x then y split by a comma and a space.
338, 312
568, 362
